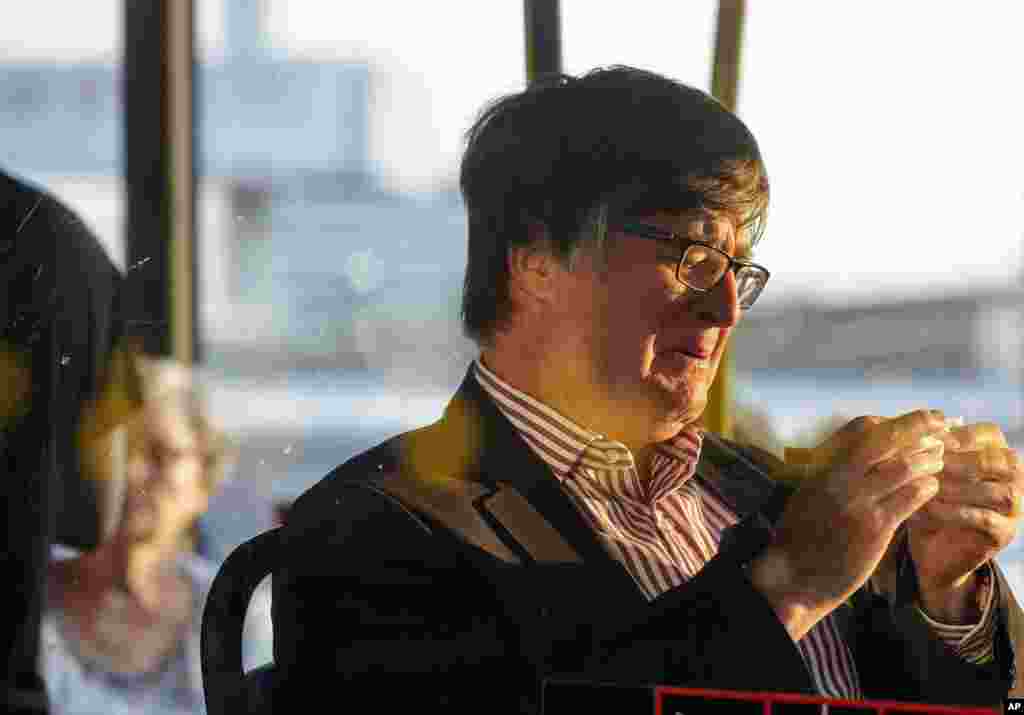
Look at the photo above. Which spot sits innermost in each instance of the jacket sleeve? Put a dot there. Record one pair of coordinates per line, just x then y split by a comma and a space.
899, 655
372, 602
714, 631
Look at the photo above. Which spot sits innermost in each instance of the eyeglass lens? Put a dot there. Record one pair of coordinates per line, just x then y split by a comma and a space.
749, 283
702, 267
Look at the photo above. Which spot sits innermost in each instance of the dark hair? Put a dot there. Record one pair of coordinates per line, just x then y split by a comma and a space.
571, 153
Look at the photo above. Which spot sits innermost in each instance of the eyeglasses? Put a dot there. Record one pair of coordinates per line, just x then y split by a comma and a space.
702, 266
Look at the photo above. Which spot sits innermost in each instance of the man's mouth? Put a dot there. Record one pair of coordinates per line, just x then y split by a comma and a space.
693, 354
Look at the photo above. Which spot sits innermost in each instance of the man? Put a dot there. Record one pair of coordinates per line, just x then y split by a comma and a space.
569, 517
59, 296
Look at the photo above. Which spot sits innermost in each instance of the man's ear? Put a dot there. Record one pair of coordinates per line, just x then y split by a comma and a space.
534, 269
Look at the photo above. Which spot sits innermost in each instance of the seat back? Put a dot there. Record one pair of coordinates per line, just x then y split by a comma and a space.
224, 683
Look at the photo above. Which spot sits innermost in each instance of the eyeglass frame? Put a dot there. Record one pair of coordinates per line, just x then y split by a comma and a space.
654, 233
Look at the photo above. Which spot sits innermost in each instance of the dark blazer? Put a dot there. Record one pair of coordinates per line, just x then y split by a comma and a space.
446, 568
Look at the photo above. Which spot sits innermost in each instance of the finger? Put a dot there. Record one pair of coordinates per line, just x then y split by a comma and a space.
949, 440
894, 474
860, 425
987, 464
997, 528
851, 432
902, 503
934, 439
840, 440
1002, 498
887, 438
980, 435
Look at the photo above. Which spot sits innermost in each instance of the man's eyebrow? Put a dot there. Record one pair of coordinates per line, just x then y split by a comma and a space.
716, 241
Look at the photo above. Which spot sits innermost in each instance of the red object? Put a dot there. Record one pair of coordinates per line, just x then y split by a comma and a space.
869, 707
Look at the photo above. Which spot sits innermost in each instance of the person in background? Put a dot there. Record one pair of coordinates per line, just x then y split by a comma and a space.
121, 631
60, 320
569, 516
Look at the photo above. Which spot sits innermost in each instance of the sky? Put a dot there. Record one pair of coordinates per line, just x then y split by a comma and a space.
891, 131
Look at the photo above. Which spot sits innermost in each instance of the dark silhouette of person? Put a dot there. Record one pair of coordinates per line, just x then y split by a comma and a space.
59, 321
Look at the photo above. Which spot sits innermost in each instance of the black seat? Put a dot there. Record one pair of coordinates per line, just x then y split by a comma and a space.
227, 687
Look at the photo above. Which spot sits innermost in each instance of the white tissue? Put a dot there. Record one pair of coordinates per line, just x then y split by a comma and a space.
952, 422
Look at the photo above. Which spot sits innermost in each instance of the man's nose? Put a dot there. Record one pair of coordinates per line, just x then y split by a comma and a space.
721, 305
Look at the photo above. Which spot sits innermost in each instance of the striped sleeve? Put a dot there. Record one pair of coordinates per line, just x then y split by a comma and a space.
973, 642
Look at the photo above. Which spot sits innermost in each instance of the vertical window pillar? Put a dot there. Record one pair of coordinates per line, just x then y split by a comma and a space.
543, 38
160, 174
725, 75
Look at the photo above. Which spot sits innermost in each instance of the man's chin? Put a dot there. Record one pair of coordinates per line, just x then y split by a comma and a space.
690, 417
678, 411
683, 397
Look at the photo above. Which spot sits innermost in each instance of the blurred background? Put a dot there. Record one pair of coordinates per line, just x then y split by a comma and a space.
330, 235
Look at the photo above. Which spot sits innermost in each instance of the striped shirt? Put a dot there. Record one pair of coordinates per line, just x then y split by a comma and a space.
664, 529
974, 643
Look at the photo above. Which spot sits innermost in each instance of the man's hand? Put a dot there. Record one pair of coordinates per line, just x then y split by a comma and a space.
974, 516
837, 527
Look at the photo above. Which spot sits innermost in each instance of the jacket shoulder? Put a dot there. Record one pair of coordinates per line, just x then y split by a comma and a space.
403, 481
385, 459
444, 454
330, 496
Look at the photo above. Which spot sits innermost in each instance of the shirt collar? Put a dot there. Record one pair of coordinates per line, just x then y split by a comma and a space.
576, 452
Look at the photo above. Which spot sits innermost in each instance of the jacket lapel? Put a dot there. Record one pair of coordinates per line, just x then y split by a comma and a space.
527, 502
739, 481
541, 541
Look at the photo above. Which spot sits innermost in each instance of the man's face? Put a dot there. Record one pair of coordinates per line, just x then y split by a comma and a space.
651, 345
